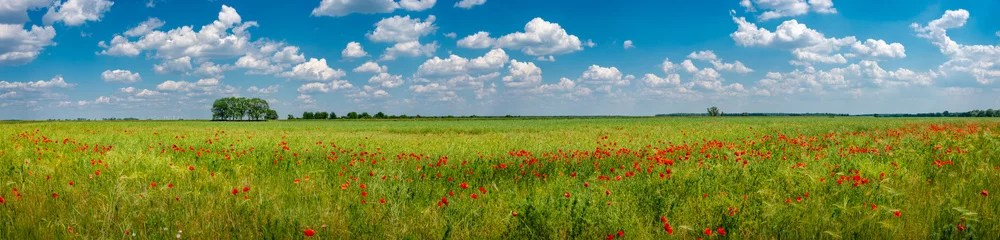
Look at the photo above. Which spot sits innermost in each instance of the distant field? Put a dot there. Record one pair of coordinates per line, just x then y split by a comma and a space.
643, 178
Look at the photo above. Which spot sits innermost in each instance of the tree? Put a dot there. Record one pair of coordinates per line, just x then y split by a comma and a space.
333, 115
714, 111
307, 115
320, 115
271, 115
290, 117
352, 115
380, 115
239, 108
365, 115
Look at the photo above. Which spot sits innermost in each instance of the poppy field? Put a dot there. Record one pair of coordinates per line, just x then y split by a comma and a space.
601, 178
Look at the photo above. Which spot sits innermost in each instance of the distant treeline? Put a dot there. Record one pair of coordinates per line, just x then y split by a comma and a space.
379, 115
757, 115
240, 108
973, 113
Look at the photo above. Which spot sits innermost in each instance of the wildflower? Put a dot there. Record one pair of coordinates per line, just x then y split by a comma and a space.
984, 193
482, 190
474, 196
364, 194
586, 184
670, 230
513, 213
235, 191
171, 185
621, 233
54, 195
708, 231
607, 192
191, 168
152, 184
961, 227
464, 185
71, 183
246, 189
897, 213
721, 231
567, 195
381, 200
3, 201
309, 232
874, 207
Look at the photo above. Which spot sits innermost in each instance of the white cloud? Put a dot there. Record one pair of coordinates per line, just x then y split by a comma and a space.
688, 66
325, 87
55, 82
879, 48
652, 80
451, 35
16, 11
353, 50
386, 80
808, 44
982, 62
628, 44
145, 27
314, 70
175, 86
476, 41
9, 94
667, 66
265, 90
455, 65
371, 67
76, 12
179, 65
211, 41
119, 75
710, 57
127, 90
597, 75
787, 8
305, 99
541, 38
590, 43
467, 4
409, 49
549, 58
338, 8
417, 5
522, 74
20, 46
289, 54
147, 93
210, 69
854, 77
401, 29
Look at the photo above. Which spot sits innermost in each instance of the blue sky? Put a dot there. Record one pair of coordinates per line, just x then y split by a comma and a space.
171, 58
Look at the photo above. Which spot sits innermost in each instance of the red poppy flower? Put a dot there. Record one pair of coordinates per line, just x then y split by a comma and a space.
474, 196
567, 194
610, 236
721, 231
3, 201
573, 174
708, 231
961, 227
381, 200
235, 191
621, 233
670, 230
984, 193
586, 184
246, 189
152, 184
309, 232
874, 207
54, 195
191, 168
363, 186
607, 192
171, 185
71, 183
364, 194
897, 213
513, 213
482, 190
464, 185
799, 199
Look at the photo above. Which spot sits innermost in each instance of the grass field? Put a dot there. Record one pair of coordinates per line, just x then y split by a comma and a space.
643, 178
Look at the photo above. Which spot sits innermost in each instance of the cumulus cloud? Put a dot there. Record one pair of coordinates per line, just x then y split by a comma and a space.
597, 75
522, 74
55, 82
223, 38
467, 4
371, 67
409, 49
773, 9
402, 29
16, 11
210, 69
709, 56
20, 46
148, 93
172, 66
263, 90
807, 44
175, 86
982, 62
864, 74
314, 70
386, 80
540, 38
628, 44
76, 12
324, 87
353, 50
455, 65
476, 41
119, 75
145, 27
339, 8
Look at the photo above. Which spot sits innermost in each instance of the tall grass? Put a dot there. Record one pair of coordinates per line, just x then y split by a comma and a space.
301, 187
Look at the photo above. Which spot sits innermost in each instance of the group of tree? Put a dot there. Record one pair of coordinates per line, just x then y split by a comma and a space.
350, 115
240, 108
973, 113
